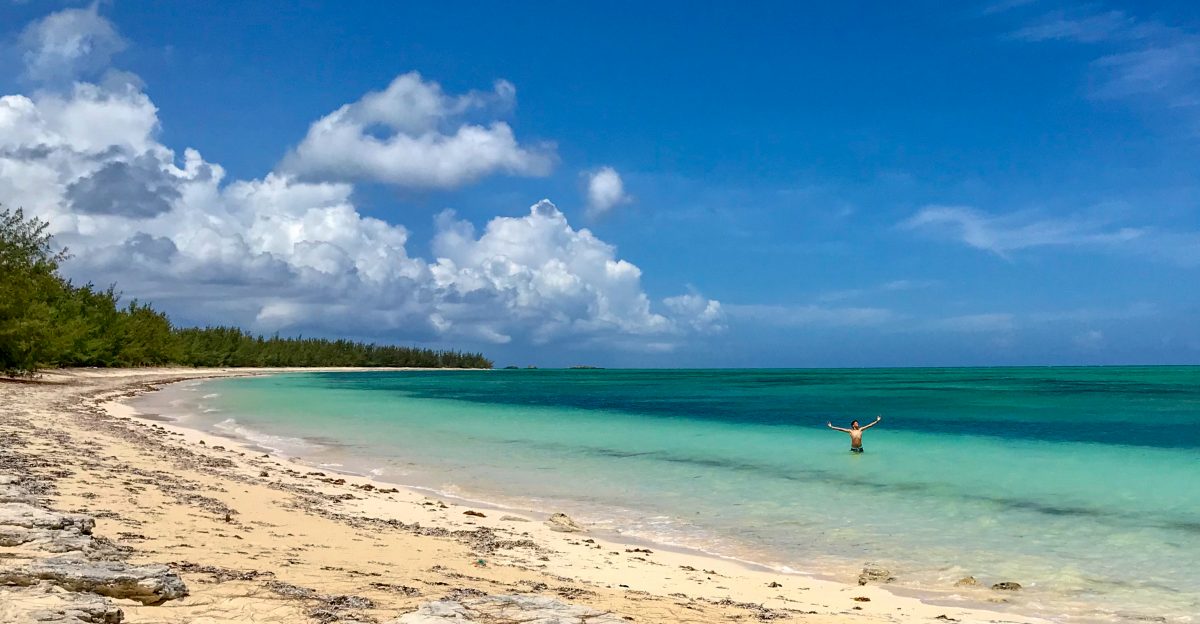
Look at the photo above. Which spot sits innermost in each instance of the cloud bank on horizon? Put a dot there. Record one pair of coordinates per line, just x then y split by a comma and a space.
289, 250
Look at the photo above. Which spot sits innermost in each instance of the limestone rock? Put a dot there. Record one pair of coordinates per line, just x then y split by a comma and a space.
504, 609
966, 581
145, 584
51, 541
14, 494
1006, 586
59, 608
875, 573
30, 517
45, 539
564, 524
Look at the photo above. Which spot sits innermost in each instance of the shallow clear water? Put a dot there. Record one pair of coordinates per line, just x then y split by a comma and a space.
1082, 484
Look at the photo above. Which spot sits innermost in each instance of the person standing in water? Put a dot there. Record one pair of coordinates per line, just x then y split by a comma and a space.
856, 433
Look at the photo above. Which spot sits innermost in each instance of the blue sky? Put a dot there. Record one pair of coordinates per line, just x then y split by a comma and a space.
836, 185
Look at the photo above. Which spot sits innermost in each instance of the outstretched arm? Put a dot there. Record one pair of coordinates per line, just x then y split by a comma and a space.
877, 419
830, 425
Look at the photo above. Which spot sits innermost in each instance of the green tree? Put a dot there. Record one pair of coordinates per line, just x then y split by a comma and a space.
45, 321
30, 289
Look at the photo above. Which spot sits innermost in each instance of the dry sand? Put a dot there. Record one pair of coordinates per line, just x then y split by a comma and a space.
260, 539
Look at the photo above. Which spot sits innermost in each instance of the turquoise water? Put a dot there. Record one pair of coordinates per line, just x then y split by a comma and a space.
1082, 484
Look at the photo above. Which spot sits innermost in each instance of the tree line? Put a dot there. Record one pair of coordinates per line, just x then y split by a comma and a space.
48, 322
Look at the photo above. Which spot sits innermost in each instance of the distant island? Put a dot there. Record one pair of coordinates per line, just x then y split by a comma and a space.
48, 322
586, 367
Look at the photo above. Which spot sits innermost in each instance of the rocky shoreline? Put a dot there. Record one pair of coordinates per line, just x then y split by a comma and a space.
73, 575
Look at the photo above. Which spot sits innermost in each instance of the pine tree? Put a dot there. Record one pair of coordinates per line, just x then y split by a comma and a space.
45, 321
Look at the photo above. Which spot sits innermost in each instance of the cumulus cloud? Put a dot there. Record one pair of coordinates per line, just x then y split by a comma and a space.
539, 267
605, 191
412, 134
139, 187
68, 44
289, 252
701, 314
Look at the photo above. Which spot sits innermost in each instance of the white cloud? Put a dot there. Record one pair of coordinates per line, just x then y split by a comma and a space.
414, 135
701, 314
1144, 61
886, 288
1167, 71
1003, 234
1005, 5
907, 284
69, 43
605, 191
809, 315
539, 267
976, 323
1135, 310
283, 252
1086, 28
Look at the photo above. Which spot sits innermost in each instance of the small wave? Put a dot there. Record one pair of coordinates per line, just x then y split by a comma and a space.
211, 395
209, 410
376, 472
276, 444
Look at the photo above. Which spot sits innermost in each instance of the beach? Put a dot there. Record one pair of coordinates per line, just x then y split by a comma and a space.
256, 538
574, 313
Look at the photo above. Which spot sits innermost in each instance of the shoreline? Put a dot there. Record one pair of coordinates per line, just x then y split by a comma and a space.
117, 408
604, 572
611, 536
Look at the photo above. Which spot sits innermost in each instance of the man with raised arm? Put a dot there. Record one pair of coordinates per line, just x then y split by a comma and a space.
856, 433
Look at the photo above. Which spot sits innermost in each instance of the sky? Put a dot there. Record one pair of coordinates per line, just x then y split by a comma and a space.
676, 185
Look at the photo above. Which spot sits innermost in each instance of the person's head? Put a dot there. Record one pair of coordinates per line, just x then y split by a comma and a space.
854, 424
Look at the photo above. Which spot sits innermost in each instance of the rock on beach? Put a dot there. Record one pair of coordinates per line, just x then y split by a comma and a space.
64, 574
115, 579
875, 573
564, 524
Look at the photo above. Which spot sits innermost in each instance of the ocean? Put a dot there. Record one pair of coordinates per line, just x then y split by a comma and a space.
1081, 484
